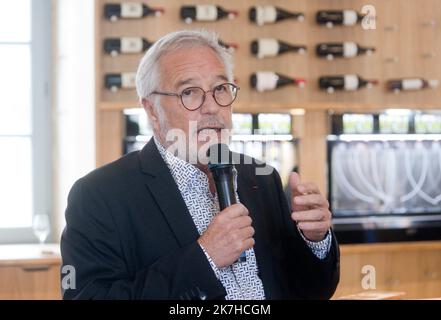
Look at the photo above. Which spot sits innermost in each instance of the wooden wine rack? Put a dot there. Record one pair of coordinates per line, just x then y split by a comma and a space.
407, 38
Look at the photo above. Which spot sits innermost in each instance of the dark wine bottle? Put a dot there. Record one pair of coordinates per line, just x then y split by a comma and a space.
348, 82
271, 14
116, 81
231, 47
268, 80
409, 84
205, 13
330, 18
269, 47
342, 50
115, 46
129, 10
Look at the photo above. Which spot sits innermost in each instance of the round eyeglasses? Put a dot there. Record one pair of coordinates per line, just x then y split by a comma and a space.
193, 98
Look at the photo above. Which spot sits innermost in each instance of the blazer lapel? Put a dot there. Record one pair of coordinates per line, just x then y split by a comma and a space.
250, 197
164, 190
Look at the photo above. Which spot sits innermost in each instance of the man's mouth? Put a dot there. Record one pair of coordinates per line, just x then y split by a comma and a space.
217, 129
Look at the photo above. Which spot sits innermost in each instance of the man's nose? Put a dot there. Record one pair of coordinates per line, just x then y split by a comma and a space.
210, 105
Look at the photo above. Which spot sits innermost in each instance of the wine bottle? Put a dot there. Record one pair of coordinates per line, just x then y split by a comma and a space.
342, 50
231, 47
116, 81
271, 14
348, 82
408, 84
129, 10
205, 13
115, 46
329, 18
268, 80
269, 47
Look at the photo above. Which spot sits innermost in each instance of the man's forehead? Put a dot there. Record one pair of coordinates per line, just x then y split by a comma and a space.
193, 80
192, 65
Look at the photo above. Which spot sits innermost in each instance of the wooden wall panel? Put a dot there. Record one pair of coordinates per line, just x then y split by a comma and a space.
312, 152
109, 136
409, 42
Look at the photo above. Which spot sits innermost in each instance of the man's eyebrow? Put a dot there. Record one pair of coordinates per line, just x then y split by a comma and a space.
222, 77
184, 82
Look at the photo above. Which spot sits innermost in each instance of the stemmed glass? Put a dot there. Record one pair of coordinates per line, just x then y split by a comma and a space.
41, 227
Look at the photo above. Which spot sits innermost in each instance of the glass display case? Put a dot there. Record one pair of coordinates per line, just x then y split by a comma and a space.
383, 175
137, 130
266, 137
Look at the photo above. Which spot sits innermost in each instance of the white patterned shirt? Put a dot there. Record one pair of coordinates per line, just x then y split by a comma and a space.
240, 280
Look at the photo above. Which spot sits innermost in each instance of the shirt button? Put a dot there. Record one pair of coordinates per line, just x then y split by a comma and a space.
203, 295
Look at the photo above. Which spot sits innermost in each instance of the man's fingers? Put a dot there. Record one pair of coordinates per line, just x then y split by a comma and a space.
248, 244
311, 200
294, 181
234, 211
296, 207
248, 232
310, 215
319, 226
241, 222
244, 233
308, 188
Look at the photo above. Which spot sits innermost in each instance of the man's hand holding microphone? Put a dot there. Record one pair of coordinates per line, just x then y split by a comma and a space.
229, 234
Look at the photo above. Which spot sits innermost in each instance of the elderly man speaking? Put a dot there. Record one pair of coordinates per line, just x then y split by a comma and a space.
148, 226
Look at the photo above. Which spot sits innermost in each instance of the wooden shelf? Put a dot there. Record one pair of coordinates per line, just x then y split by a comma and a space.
255, 107
390, 247
29, 254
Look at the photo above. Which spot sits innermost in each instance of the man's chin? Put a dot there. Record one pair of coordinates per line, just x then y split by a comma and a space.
212, 136
205, 136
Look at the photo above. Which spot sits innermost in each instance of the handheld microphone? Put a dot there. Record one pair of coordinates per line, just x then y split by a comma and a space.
222, 170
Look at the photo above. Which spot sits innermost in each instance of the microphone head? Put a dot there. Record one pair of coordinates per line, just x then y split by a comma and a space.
218, 155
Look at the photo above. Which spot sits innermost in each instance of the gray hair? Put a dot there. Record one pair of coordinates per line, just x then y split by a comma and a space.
147, 76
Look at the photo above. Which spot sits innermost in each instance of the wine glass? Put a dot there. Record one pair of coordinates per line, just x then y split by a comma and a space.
41, 227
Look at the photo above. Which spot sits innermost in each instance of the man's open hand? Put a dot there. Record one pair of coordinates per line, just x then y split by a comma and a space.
310, 209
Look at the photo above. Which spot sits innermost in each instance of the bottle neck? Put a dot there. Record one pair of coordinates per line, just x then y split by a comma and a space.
366, 50
283, 81
146, 10
222, 13
362, 82
149, 11
146, 44
283, 14
285, 47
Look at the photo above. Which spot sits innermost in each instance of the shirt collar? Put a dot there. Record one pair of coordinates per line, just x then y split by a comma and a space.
185, 174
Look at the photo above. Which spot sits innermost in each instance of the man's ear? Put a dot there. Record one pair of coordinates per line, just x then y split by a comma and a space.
147, 104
